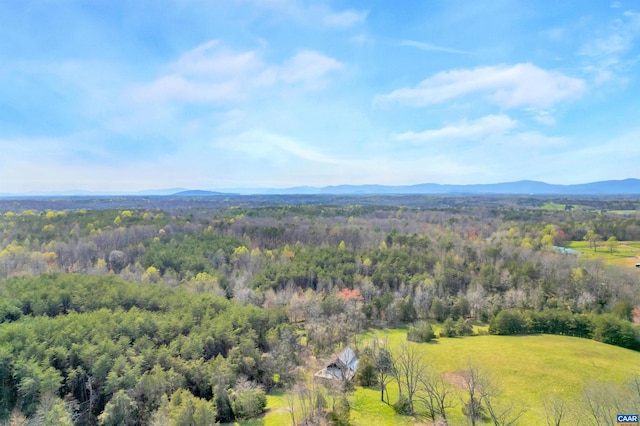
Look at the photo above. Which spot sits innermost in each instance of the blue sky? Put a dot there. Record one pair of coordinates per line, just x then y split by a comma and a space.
121, 96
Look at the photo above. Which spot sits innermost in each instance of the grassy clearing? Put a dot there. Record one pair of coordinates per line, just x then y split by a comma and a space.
624, 212
557, 206
627, 253
367, 409
528, 369
553, 206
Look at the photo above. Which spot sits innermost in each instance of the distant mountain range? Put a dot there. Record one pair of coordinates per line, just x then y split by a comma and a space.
198, 193
523, 187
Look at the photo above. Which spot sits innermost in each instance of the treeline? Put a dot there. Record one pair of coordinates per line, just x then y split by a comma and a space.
606, 328
102, 350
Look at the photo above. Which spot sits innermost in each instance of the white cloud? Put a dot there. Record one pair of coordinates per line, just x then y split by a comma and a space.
345, 19
432, 47
296, 162
214, 59
544, 117
176, 87
272, 146
361, 39
533, 140
308, 66
491, 138
313, 12
611, 45
606, 54
32, 148
212, 73
520, 85
480, 129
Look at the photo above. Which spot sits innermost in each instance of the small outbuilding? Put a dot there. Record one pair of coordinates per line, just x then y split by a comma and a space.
342, 367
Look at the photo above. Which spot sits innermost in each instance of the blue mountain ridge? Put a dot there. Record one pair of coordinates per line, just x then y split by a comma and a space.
523, 187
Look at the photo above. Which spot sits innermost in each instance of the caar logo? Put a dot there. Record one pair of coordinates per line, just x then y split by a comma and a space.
627, 419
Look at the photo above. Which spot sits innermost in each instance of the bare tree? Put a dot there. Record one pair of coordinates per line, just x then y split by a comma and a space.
471, 382
384, 366
484, 394
634, 389
311, 403
408, 371
556, 410
434, 394
505, 415
602, 401
291, 403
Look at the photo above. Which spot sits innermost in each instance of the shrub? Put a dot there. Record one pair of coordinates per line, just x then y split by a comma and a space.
403, 406
367, 374
448, 328
473, 409
420, 332
249, 403
464, 327
508, 322
340, 414
614, 331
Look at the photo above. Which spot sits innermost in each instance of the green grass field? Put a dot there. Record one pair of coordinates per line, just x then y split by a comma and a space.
549, 205
553, 206
528, 369
626, 253
625, 212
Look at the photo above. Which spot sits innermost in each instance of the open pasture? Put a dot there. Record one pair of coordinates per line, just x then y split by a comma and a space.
527, 369
625, 253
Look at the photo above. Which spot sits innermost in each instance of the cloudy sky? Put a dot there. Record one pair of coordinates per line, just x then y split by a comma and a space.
112, 95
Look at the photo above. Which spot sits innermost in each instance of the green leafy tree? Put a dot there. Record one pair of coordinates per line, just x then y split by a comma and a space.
439, 309
448, 328
249, 403
420, 332
57, 415
508, 321
185, 409
623, 310
614, 331
593, 239
366, 375
464, 327
120, 410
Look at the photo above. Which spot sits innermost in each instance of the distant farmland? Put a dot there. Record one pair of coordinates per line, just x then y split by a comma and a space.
626, 253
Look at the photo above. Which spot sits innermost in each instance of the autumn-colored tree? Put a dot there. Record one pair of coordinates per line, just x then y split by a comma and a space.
350, 295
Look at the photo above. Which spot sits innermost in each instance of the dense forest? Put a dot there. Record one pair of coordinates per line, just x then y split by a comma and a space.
191, 313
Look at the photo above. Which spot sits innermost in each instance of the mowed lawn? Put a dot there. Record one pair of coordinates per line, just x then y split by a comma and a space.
527, 368
626, 253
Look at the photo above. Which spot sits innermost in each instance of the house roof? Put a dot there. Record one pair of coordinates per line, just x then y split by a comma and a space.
342, 366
